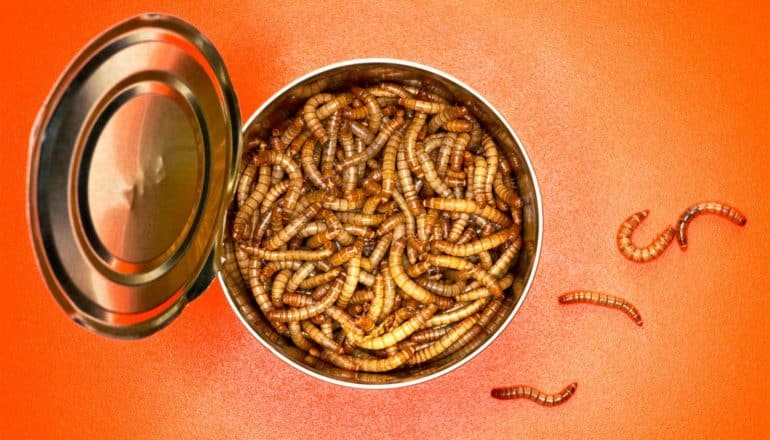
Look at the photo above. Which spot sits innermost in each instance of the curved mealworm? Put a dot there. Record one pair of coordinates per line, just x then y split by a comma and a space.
244, 184
445, 116
535, 395
370, 365
375, 146
408, 188
410, 140
602, 299
310, 167
311, 118
458, 314
295, 332
402, 280
279, 287
444, 342
299, 276
320, 338
716, 208
273, 267
291, 229
320, 279
431, 175
330, 146
351, 276
272, 195
297, 299
334, 105
307, 312
290, 167
399, 333
647, 253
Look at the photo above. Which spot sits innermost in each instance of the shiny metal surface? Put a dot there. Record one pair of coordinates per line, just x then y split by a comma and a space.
132, 164
342, 75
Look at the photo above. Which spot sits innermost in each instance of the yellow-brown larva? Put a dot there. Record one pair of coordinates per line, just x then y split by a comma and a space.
647, 253
535, 395
717, 208
602, 299
421, 106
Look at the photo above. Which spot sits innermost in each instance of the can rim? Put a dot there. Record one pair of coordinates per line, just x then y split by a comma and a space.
538, 239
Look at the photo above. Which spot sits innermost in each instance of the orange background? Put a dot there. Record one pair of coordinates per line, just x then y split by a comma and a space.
620, 108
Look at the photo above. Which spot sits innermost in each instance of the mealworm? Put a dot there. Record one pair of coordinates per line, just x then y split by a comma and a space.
307, 312
602, 299
299, 255
297, 299
468, 207
457, 315
505, 193
290, 167
431, 175
716, 208
351, 276
244, 185
273, 267
299, 276
473, 247
378, 365
399, 333
408, 188
272, 195
375, 145
410, 140
647, 253
295, 332
443, 342
402, 280
330, 146
320, 338
535, 395
279, 287
458, 126
320, 279
421, 106
291, 229
445, 116
311, 118
310, 168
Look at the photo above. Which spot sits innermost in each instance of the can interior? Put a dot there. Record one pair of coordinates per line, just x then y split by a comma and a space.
363, 72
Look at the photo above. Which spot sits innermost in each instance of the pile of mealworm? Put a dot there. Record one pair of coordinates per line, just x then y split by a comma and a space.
376, 229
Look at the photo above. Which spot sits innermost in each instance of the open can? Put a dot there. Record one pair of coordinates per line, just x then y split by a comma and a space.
131, 174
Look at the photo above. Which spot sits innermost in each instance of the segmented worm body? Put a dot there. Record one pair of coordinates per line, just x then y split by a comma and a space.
374, 229
646, 253
535, 395
602, 299
716, 208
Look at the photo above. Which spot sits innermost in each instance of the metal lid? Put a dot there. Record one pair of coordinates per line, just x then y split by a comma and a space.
132, 163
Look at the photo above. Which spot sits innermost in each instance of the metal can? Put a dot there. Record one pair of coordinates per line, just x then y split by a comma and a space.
131, 175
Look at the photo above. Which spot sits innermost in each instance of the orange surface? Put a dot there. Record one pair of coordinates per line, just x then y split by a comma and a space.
655, 106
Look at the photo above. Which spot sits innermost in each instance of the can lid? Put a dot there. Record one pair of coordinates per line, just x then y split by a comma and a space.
132, 163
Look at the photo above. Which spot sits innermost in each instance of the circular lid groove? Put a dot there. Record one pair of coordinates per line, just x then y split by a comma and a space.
132, 163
